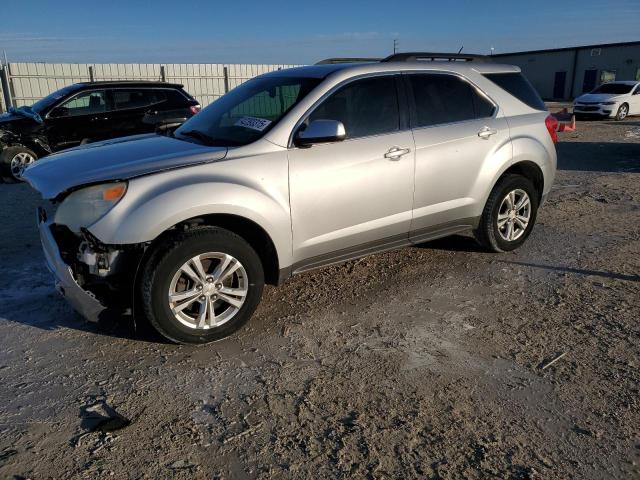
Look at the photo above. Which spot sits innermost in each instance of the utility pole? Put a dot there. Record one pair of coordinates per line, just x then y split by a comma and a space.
395, 45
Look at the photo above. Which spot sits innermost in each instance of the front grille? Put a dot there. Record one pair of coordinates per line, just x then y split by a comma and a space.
589, 103
587, 109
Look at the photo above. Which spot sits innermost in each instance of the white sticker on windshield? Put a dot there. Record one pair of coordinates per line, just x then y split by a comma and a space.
253, 123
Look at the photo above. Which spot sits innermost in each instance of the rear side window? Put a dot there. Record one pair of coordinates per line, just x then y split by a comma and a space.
439, 99
178, 99
130, 98
365, 107
518, 86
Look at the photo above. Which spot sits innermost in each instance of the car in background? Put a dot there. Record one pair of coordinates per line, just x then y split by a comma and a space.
87, 112
612, 99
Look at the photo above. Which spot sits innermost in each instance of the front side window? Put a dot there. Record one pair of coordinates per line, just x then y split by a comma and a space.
85, 103
365, 107
441, 98
247, 112
124, 99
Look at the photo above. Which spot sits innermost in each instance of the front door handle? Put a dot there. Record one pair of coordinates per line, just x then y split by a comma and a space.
486, 132
394, 153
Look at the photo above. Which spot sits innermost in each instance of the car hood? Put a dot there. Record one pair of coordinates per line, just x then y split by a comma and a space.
118, 159
7, 119
599, 97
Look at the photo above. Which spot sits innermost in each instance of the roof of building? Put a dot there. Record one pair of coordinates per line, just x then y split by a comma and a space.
580, 47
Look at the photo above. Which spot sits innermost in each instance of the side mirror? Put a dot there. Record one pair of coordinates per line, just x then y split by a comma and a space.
320, 131
59, 112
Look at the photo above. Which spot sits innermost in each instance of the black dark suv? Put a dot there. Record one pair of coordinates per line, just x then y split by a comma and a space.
87, 112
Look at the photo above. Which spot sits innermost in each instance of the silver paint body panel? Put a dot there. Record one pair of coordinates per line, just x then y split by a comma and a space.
320, 204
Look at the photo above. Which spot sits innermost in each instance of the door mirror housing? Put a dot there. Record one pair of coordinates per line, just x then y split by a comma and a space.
59, 112
320, 131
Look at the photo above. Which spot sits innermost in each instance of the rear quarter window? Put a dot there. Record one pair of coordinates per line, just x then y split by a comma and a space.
518, 86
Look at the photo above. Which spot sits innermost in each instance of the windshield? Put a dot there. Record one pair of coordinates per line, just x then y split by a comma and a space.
617, 88
247, 112
44, 103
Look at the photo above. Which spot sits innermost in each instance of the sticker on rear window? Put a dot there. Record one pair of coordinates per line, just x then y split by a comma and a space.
253, 123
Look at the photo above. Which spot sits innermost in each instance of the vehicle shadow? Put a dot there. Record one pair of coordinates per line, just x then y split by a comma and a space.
598, 156
632, 123
51, 313
577, 271
453, 243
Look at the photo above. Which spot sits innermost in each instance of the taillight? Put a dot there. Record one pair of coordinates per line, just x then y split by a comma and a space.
551, 123
195, 109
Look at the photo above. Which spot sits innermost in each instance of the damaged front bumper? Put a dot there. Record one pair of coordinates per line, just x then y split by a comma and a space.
83, 301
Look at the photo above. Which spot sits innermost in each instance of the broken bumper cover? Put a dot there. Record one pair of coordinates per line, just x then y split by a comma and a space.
84, 302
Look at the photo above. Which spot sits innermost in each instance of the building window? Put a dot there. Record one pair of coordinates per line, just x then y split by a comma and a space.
638, 75
607, 76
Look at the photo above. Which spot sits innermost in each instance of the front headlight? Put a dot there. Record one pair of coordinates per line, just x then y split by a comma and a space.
88, 205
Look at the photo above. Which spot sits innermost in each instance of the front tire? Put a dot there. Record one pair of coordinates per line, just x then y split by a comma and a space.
509, 214
622, 112
13, 161
201, 285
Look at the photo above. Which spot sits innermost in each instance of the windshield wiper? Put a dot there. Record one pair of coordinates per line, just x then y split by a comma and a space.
198, 135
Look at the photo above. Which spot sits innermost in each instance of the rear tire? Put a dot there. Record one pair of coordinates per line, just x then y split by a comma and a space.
13, 161
509, 214
184, 281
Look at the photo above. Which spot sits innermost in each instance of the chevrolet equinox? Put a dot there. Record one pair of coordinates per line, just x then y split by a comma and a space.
293, 170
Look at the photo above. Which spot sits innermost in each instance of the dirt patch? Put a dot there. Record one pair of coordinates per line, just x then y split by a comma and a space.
420, 363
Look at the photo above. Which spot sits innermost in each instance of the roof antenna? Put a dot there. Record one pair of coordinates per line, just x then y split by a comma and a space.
460, 49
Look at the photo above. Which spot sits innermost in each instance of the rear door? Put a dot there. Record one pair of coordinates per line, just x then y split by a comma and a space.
132, 107
456, 131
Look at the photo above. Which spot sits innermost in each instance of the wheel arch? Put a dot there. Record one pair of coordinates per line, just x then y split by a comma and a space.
529, 170
256, 236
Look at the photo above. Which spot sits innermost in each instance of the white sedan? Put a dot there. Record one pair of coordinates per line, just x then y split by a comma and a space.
613, 99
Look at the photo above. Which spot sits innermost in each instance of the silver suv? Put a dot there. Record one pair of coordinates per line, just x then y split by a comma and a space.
291, 171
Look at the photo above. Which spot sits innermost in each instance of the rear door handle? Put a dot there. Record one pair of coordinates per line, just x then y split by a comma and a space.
486, 132
394, 153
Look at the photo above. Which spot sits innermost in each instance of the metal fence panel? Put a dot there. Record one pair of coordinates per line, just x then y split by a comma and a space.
29, 82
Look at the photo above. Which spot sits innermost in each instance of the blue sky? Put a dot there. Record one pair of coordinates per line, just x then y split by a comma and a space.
301, 31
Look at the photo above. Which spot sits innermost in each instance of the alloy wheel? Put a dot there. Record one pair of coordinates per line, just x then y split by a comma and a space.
208, 290
514, 215
622, 112
19, 162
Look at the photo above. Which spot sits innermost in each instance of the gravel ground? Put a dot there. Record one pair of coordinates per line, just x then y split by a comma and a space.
426, 362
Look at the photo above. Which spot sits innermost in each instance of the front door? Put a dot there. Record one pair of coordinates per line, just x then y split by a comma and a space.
634, 101
456, 132
347, 197
84, 116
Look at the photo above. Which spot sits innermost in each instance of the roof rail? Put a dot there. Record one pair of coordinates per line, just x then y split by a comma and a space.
432, 56
330, 61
